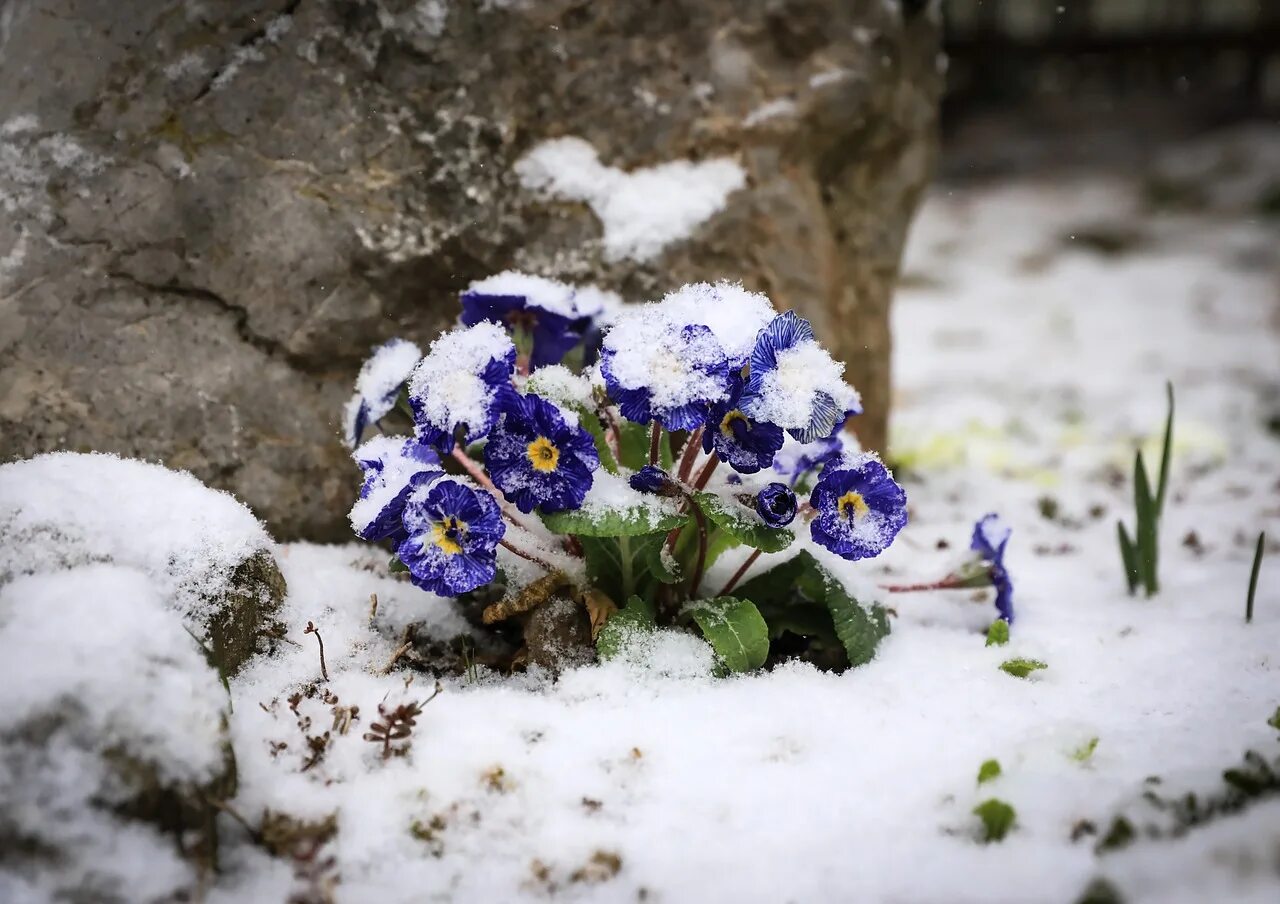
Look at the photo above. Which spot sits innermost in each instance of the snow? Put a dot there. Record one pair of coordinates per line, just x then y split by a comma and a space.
1027, 368
650, 351
643, 211
610, 493
448, 382
379, 382
789, 393
97, 672
558, 384
733, 314
67, 509
548, 294
384, 485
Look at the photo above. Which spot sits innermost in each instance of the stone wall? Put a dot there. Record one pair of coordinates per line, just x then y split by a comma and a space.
210, 211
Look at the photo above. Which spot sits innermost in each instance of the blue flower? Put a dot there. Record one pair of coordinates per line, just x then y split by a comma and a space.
659, 371
795, 384
458, 390
378, 386
990, 537
393, 467
652, 479
776, 505
453, 532
860, 508
543, 311
797, 460
537, 458
746, 444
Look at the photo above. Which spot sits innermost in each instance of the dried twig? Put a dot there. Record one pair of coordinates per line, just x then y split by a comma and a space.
312, 629
397, 725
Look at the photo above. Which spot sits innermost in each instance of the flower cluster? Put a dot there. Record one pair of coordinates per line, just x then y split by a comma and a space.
554, 424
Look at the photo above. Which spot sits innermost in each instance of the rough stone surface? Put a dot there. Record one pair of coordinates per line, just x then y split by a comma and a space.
212, 211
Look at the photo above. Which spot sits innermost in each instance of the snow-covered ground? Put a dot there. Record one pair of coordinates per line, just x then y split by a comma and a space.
1028, 364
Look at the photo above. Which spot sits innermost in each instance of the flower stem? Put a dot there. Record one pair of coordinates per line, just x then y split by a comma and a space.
655, 442
524, 554
950, 582
701, 561
689, 455
737, 575
478, 475
707, 470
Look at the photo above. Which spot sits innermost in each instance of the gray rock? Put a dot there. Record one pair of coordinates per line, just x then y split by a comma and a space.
212, 212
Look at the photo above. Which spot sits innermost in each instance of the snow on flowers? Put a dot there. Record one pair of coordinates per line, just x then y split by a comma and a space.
568, 447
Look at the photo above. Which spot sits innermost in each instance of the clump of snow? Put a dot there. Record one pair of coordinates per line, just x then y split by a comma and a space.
649, 350
642, 211
397, 466
67, 509
611, 494
548, 294
253, 52
782, 107
378, 382
559, 384
106, 697
734, 314
789, 393
448, 384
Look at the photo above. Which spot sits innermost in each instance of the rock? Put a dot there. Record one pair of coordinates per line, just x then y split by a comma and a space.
207, 555
557, 635
214, 213
113, 740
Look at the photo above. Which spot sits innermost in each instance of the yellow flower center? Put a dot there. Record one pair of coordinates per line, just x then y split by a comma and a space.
543, 455
852, 505
727, 422
447, 533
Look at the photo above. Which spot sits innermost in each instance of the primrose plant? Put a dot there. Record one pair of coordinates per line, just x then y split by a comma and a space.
566, 446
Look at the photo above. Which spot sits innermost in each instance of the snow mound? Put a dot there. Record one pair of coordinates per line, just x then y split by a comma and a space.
67, 509
112, 719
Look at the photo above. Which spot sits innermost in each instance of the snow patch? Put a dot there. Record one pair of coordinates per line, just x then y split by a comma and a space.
643, 211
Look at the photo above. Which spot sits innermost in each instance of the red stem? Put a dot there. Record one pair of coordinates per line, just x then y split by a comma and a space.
536, 560
707, 471
612, 437
655, 442
947, 583
702, 548
737, 575
689, 455
479, 476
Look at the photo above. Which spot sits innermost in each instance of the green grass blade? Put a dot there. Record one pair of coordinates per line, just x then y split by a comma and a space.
1129, 556
1253, 578
1148, 524
1165, 452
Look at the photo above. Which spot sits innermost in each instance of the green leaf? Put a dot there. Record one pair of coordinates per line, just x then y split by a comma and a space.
591, 423
1165, 452
1274, 721
1148, 525
619, 566
1084, 752
735, 629
717, 543
1253, 579
395, 566
988, 771
1129, 556
860, 630
998, 633
635, 618
628, 522
662, 569
743, 525
802, 580
1021, 668
633, 444
997, 819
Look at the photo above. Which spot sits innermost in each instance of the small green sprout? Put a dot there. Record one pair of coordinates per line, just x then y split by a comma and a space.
988, 771
1084, 752
998, 633
1021, 668
1141, 555
1274, 721
997, 819
1253, 577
